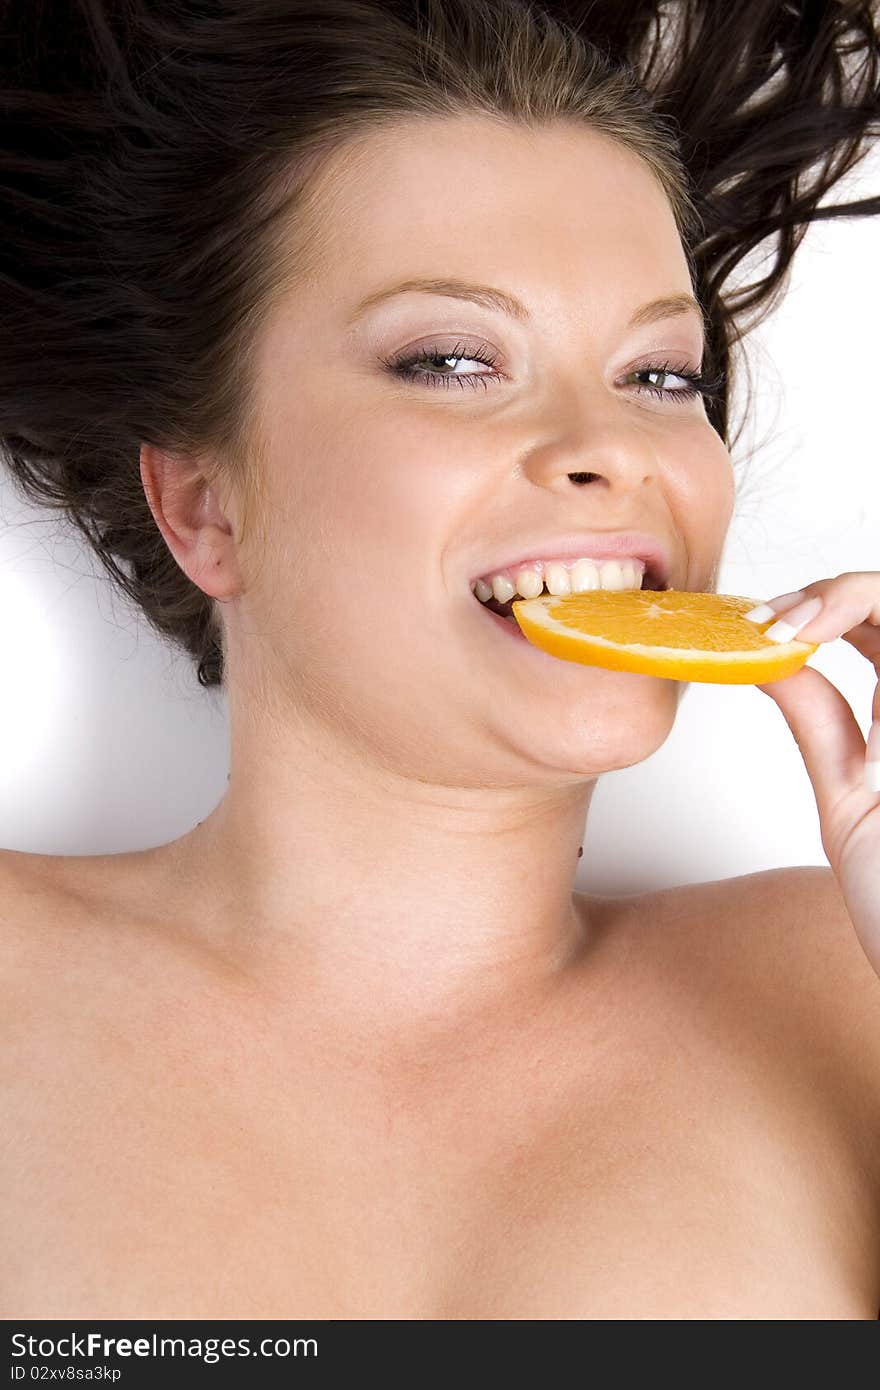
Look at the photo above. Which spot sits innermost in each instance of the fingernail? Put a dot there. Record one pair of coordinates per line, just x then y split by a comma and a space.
785, 629
774, 606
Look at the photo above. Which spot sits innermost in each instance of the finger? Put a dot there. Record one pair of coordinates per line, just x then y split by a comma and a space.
865, 637
872, 751
850, 606
831, 745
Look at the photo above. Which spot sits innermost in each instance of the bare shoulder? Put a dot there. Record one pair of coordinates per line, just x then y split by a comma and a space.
25, 901
60, 928
775, 955
34, 977
792, 922
42, 895
809, 936
35, 888
805, 965
36, 920
791, 928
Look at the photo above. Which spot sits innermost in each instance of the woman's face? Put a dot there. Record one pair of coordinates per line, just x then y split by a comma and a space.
385, 496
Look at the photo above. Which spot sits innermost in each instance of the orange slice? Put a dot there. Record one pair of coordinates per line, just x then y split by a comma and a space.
669, 632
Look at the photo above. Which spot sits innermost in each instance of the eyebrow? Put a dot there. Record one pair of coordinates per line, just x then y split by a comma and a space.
669, 306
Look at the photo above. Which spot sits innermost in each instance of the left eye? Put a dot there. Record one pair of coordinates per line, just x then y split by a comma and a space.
694, 383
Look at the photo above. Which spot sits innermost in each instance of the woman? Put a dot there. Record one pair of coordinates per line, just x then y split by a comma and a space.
315, 322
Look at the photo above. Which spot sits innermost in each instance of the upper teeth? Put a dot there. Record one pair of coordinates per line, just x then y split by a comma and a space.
561, 577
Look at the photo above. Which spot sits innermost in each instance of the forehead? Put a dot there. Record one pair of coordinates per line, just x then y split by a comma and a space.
558, 207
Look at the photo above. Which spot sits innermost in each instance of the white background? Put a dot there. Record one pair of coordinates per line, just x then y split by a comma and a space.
109, 743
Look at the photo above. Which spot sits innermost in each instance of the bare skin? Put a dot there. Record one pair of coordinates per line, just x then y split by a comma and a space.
408, 788
353, 1047
682, 1129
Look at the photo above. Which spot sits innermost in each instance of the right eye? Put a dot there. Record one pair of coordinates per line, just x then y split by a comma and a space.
407, 368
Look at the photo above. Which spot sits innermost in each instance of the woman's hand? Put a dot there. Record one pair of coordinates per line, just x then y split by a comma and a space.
845, 773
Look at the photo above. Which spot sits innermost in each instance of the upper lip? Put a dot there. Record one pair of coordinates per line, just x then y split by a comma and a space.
589, 544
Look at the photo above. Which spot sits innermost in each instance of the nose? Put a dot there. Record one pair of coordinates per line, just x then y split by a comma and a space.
596, 442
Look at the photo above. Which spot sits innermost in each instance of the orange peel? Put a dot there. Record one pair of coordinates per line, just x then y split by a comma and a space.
677, 634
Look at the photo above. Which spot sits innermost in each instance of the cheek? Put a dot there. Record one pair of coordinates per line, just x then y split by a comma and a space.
369, 489
409, 488
722, 487
702, 495
716, 508
379, 526
706, 480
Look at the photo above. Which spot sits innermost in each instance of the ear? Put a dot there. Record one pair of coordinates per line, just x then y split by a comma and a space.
195, 529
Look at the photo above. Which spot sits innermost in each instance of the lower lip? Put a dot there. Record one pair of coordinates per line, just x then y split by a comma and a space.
576, 668
509, 625
513, 631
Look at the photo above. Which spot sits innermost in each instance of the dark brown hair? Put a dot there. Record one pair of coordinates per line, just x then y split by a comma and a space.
159, 161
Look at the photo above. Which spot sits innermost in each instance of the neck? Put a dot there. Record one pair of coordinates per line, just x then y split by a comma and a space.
382, 902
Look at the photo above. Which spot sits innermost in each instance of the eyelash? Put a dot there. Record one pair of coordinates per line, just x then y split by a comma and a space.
403, 369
